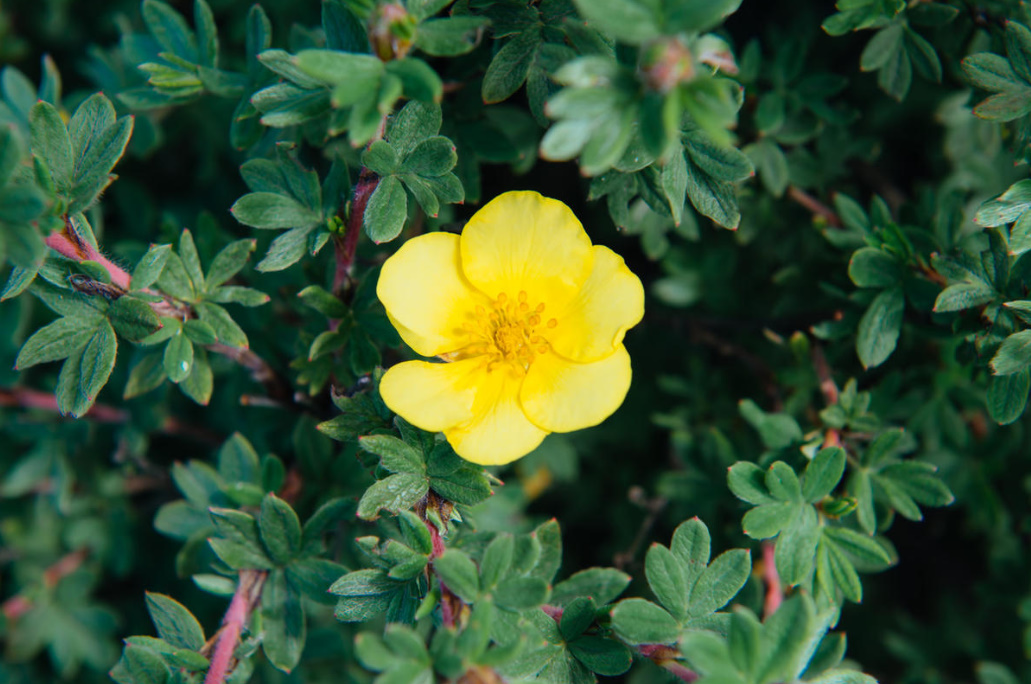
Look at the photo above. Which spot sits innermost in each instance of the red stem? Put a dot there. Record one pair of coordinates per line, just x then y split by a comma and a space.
34, 399
248, 591
66, 565
815, 206
774, 591
347, 245
68, 243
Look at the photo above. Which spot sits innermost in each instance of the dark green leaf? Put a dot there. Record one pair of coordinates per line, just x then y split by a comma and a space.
879, 328
175, 624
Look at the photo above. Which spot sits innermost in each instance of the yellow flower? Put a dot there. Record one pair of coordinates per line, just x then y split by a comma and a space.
529, 318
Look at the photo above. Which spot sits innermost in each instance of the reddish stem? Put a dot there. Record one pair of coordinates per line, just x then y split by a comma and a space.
347, 245
666, 657
815, 206
66, 565
34, 399
828, 388
248, 592
68, 243
774, 591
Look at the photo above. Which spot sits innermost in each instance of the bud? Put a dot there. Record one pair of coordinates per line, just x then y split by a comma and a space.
666, 64
391, 31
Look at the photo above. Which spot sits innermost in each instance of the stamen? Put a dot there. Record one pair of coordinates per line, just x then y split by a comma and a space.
522, 295
543, 349
552, 323
534, 320
524, 307
540, 307
502, 298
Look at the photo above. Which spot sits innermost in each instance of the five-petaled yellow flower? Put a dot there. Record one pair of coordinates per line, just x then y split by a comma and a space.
528, 315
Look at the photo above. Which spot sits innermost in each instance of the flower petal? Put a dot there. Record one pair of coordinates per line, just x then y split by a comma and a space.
426, 295
433, 396
559, 395
609, 303
521, 241
501, 432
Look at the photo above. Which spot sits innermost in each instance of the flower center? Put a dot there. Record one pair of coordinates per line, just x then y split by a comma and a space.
509, 330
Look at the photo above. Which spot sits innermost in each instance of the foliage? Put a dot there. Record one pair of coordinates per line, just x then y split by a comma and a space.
829, 210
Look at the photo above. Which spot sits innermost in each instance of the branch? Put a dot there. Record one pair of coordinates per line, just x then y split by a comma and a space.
20, 604
774, 591
654, 507
828, 388
815, 206
666, 657
347, 245
248, 593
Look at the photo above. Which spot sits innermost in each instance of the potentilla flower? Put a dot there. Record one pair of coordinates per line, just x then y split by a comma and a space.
528, 318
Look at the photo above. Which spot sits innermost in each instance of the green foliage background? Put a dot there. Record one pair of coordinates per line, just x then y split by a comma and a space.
829, 209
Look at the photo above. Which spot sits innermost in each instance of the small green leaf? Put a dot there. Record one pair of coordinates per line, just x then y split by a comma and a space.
1014, 356
879, 328
285, 629
395, 455
178, 359
57, 340
280, 528
270, 211
394, 493
175, 624
1007, 396
508, 69
720, 582
637, 621
823, 474
229, 261
459, 572
149, 267
387, 211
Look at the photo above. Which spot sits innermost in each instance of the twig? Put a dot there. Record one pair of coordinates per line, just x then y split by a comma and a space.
774, 590
245, 599
275, 385
20, 604
28, 398
666, 657
70, 244
654, 507
347, 245
25, 397
828, 388
754, 362
815, 206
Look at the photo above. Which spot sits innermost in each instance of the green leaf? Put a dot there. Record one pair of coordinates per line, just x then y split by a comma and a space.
604, 585
145, 666
1007, 396
963, 296
394, 493
178, 359
145, 376
229, 261
872, 267
720, 582
364, 594
283, 622
691, 544
606, 657
170, 30
858, 545
459, 572
229, 333
132, 318
637, 621
395, 455
270, 211
95, 161
51, 142
699, 15
633, 22
796, 546
280, 528
508, 69
748, 482
449, 36
879, 328
1014, 356
1007, 207
667, 579
199, 384
823, 474
387, 211
175, 624
149, 267
433, 156
786, 636
496, 560
57, 340
175, 280
521, 593
418, 80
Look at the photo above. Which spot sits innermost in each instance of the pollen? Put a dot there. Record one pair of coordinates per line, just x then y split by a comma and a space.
508, 331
